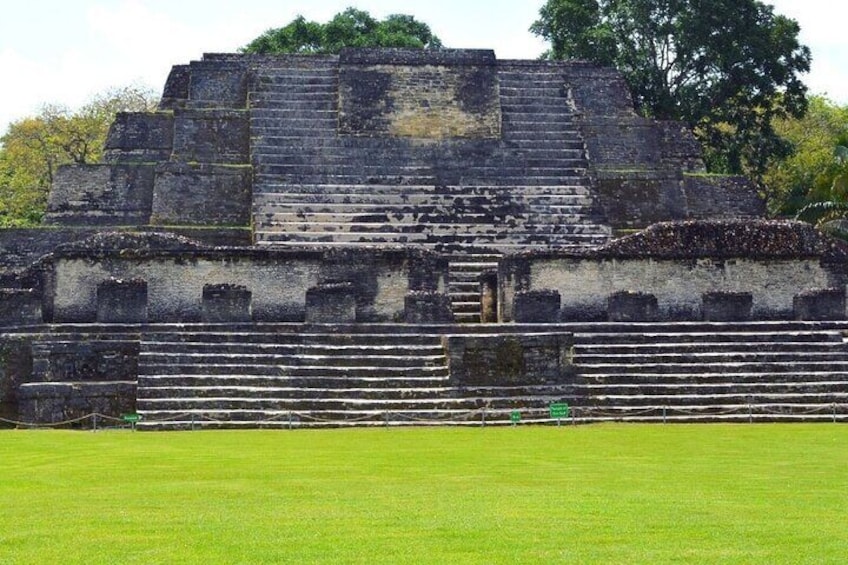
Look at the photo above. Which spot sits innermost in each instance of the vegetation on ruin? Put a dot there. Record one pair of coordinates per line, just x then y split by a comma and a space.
34, 147
727, 68
818, 169
351, 28
586, 494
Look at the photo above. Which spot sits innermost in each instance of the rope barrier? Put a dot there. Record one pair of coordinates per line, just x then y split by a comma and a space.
482, 416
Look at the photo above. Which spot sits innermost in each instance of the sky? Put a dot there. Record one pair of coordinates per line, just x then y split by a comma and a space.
67, 51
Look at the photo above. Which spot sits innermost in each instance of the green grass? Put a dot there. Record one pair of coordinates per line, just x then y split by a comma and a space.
588, 494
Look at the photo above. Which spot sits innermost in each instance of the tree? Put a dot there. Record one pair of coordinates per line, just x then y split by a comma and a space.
34, 147
727, 68
808, 175
351, 28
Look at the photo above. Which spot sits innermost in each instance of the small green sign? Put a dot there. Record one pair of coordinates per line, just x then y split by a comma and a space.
130, 418
559, 410
515, 416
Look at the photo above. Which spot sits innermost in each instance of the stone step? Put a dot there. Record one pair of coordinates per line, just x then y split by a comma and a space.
340, 404
169, 419
684, 379
192, 380
496, 240
266, 101
723, 399
713, 388
712, 367
722, 333
281, 347
152, 369
716, 348
156, 358
738, 413
502, 215
270, 189
506, 218
428, 228
566, 178
363, 338
164, 393
712, 357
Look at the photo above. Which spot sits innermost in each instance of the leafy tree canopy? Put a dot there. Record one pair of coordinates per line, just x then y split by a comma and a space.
351, 28
727, 68
34, 147
813, 172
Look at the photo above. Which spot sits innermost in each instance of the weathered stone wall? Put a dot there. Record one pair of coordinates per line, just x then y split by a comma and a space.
140, 137
713, 196
586, 284
419, 94
278, 281
211, 136
91, 195
15, 369
60, 403
510, 360
21, 247
202, 194
678, 264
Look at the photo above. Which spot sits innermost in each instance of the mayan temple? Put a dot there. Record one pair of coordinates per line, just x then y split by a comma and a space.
412, 237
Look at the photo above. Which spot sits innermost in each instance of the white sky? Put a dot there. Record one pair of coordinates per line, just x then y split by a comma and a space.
65, 51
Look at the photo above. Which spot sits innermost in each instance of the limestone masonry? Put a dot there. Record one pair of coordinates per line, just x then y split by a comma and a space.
391, 237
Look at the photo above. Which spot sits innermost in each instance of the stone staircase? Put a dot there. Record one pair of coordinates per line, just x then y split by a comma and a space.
287, 376
464, 273
712, 372
314, 186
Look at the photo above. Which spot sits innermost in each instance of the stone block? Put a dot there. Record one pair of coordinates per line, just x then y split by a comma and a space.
122, 301
226, 303
332, 303
20, 306
536, 306
510, 360
820, 304
419, 94
211, 136
53, 403
630, 306
201, 194
140, 137
726, 306
427, 308
101, 195
175, 93
217, 84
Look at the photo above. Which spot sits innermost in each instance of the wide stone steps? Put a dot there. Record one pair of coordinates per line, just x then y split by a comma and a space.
287, 375
242, 376
728, 372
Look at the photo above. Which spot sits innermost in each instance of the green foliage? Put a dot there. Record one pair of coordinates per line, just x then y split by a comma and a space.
351, 28
34, 147
727, 68
814, 169
706, 493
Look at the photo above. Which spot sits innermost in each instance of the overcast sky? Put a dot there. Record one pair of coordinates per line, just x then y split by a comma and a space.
65, 51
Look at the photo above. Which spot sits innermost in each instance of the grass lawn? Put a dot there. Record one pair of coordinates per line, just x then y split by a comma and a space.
588, 494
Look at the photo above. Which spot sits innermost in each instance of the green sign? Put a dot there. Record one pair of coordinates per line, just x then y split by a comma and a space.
130, 418
559, 410
515, 416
